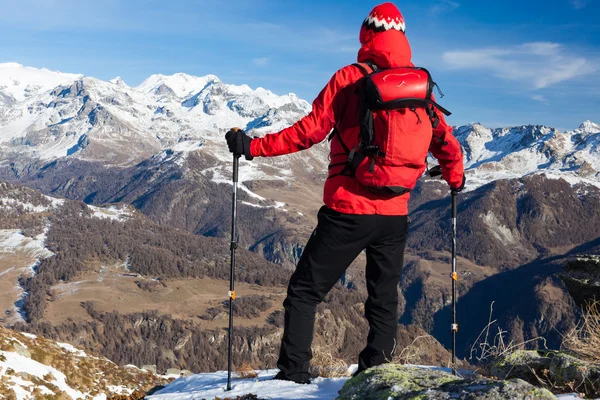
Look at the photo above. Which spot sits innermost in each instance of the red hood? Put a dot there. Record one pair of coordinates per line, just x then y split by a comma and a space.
387, 49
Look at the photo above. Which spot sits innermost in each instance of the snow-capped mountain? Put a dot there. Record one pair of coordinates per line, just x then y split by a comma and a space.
503, 153
45, 115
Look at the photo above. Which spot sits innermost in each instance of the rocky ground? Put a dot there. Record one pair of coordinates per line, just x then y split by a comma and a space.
560, 371
35, 368
403, 383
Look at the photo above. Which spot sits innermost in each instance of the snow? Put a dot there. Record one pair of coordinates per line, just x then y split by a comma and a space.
182, 85
113, 213
29, 335
10, 203
12, 240
22, 82
514, 152
213, 385
188, 145
19, 363
71, 349
57, 121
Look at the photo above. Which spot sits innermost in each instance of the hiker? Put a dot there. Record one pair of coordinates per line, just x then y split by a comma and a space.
358, 216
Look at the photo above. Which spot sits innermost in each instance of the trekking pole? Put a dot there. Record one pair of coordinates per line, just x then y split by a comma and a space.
236, 164
454, 281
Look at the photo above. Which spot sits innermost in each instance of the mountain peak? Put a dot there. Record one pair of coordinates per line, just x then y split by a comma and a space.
183, 85
589, 127
10, 65
21, 82
119, 82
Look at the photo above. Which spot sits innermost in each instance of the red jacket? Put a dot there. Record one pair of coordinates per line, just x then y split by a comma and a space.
337, 106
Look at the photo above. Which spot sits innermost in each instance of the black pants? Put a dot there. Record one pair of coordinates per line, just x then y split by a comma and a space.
335, 243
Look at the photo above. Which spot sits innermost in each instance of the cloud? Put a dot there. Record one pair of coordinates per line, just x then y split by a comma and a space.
579, 4
535, 65
446, 5
540, 98
261, 61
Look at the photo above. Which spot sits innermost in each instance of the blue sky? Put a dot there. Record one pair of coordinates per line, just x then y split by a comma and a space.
499, 62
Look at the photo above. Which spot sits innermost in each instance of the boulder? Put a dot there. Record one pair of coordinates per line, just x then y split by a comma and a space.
562, 371
392, 381
582, 279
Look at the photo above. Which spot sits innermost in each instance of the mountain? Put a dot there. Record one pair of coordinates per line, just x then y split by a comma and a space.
157, 152
159, 147
47, 115
504, 153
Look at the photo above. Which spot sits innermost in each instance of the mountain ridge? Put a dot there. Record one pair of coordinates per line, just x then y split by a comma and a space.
74, 116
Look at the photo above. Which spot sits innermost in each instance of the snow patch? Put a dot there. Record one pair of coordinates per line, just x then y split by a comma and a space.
19, 363
29, 335
188, 145
71, 349
213, 385
13, 240
113, 213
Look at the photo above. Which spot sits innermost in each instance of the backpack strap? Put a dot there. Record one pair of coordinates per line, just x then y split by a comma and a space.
367, 69
364, 67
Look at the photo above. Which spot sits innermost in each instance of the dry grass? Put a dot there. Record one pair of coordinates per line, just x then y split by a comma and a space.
491, 346
584, 339
326, 365
412, 353
246, 371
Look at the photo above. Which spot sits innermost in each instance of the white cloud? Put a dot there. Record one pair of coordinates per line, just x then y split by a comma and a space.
261, 61
535, 65
444, 5
540, 98
579, 4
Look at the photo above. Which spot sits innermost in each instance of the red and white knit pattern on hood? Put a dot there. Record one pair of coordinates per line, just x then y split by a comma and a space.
383, 17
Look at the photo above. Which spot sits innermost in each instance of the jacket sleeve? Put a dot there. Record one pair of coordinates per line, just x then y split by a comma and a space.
446, 149
310, 130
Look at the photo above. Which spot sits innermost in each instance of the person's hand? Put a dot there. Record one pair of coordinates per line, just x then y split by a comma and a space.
239, 143
461, 187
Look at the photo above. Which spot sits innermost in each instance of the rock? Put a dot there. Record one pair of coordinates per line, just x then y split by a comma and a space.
523, 365
560, 370
21, 350
151, 368
391, 381
178, 372
582, 279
